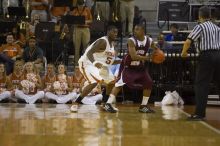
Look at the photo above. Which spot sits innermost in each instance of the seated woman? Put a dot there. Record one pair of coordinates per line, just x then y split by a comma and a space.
5, 84
31, 85
61, 90
77, 80
16, 77
49, 79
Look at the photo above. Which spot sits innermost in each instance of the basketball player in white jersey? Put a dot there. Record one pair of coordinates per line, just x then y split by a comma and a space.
100, 54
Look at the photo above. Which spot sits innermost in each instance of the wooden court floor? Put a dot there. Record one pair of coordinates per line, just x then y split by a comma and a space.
54, 125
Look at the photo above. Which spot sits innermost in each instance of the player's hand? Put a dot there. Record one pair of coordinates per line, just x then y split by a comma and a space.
184, 54
98, 65
148, 58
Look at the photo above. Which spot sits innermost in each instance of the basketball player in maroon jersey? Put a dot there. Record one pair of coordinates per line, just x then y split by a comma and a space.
132, 71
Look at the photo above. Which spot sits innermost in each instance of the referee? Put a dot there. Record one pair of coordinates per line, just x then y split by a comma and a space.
206, 35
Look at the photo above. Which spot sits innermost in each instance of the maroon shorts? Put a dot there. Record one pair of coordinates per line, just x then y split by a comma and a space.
137, 78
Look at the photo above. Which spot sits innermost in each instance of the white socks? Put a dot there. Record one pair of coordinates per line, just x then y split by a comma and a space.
145, 100
111, 98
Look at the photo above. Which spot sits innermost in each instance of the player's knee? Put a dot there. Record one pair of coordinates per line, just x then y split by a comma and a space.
94, 84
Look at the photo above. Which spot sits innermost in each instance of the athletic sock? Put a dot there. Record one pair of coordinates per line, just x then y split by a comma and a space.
145, 100
111, 98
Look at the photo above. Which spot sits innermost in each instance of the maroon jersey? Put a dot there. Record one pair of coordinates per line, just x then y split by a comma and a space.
140, 50
134, 73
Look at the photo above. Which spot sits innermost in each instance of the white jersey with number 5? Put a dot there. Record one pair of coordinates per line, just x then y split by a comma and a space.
106, 57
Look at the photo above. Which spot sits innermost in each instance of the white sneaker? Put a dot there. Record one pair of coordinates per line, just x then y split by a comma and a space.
74, 108
75, 96
110, 108
115, 108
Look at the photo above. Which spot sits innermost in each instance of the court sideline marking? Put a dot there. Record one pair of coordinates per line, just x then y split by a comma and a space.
202, 122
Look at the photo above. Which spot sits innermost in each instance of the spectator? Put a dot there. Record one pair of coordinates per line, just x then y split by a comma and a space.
39, 7
162, 44
30, 84
81, 34
16, 77
33, 53
57, 11
9, 52
89, 3
31, 26
19, 36
77, 80
61, 90
127, 12
49, 78
102, 10
5, 84
9, 3
138, 18
175, 35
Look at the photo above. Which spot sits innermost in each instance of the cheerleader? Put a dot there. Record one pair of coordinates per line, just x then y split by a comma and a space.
30, 84
49, 79
77, 80
16, 77
5, 84
61, 90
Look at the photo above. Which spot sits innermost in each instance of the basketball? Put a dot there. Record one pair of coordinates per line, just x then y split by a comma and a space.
158, 56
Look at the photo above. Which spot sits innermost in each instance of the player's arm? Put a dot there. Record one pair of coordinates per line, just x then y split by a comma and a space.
81, 85
133, 54
186, 47
9, 84
118, 61
69, 83
98, 47
99, 88
43, 80
39, 82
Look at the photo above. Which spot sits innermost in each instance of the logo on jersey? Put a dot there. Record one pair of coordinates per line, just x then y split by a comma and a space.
110, 56
140, 52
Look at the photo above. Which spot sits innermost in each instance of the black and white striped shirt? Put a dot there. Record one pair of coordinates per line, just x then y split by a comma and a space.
206, 35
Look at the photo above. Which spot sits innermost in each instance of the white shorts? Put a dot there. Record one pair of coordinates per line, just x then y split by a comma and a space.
120, 82
90, 72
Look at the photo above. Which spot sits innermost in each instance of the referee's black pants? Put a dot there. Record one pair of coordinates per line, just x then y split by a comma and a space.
208, 68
